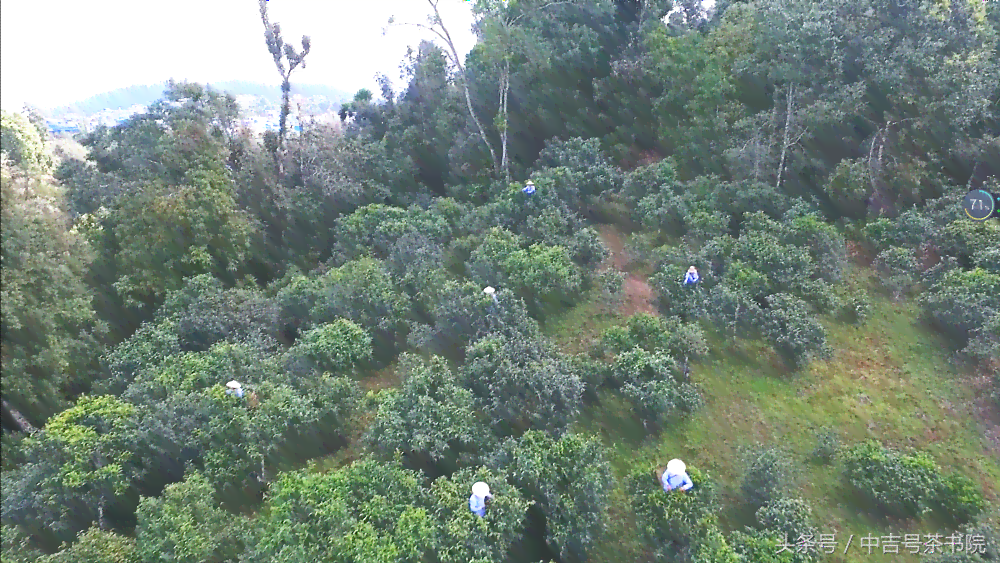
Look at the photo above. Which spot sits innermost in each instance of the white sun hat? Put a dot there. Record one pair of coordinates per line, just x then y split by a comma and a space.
676, 467
481, 489
233, 385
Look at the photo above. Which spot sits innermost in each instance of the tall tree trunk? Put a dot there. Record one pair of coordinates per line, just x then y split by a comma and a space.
756, 154
100, 513
19, 419
504, 90
787, 133
457, 61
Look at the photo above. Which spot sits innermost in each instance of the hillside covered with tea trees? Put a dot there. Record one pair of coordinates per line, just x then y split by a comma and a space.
835, 372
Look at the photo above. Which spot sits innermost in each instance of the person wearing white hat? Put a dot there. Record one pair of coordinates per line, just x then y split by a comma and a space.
478, 500
676, 477
691, 278
235, 388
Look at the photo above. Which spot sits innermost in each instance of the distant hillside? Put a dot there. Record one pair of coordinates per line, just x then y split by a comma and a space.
146, 94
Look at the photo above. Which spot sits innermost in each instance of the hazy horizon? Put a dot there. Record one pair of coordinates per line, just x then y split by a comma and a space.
70, 44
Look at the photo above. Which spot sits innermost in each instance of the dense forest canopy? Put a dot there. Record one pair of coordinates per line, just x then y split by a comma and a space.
809, 158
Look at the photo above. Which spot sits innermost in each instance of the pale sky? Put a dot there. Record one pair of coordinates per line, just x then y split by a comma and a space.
54, 52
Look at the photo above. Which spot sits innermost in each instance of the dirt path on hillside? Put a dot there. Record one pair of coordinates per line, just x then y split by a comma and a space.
638, 293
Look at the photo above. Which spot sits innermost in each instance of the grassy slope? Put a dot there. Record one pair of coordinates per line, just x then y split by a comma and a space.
889, 379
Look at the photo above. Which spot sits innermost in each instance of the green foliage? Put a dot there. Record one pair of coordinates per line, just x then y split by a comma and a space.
655, 334
374, 229
91, 435
762, 547
848, 186
338, 347
827, 444
522, 384
711, 545
959, 497
544, 276
767, 475
791, 519
22, 145
971, 242
908, 484
590, 173
650, 179
569, 479
670, 521
185, 524
963, 301
466, 537
663, 401
17, 547
205, 312
147, 347
654, 384
367, 511
897, 267
856, 306
795, 334
167, 233
361, 291
198, 371
48, 317
96, 546
431, 415
640, 366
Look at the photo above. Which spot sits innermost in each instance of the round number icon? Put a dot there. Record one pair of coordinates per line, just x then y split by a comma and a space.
979, 205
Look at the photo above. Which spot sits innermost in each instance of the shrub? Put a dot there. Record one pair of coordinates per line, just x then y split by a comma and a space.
522, 384
670, 521
827, 442
96, 546
594, 374
963, 301
761, 547
663, 401
186, 525
855, 307
639, 366
898, 269
996, 388
795, 334
645, 180
612, 285
790, 518
338, 347
898, 484
985, 341
767, 477
711, 545
959, 498
571, 482
464, 537
17, 547
21, 143
543, 275
430, 416
592, 172
362, 292
586, 248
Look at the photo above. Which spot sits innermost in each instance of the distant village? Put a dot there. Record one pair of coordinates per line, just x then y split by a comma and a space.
259, 115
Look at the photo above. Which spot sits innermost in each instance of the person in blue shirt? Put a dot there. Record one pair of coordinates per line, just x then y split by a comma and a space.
692, 276
234, 388
478, 500
676, 477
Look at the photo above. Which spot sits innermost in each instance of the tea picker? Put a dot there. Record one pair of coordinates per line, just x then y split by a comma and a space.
676, 477
480, 498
